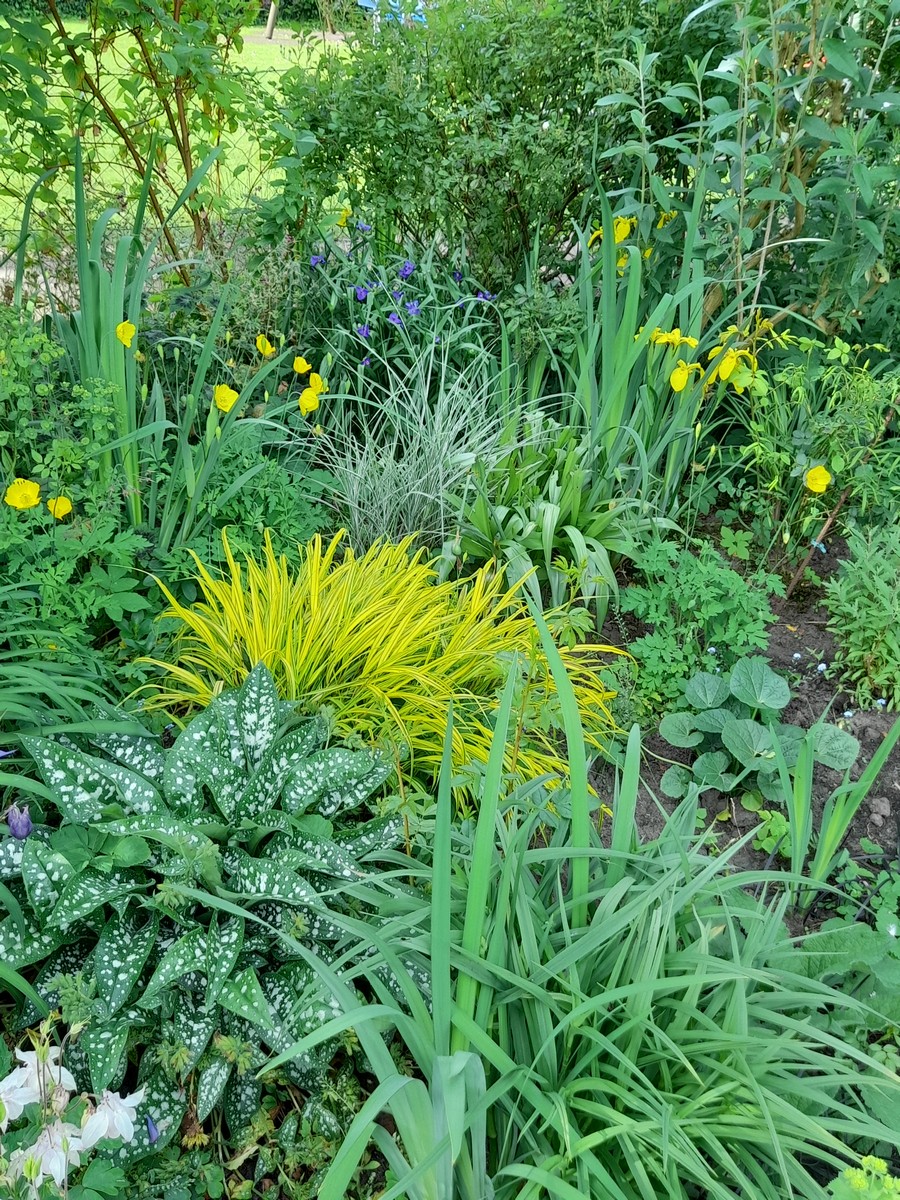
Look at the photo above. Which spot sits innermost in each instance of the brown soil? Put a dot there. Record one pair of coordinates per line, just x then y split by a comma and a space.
799, 630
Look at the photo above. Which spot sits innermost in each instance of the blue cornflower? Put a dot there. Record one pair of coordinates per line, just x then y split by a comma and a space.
316, 260
363, 227
412, 307
361, 292
407, 269
457, 277
363, 330
395, 319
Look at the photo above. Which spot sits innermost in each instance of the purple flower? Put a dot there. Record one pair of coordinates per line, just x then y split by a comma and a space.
361, 292
397, 295
363, 331
485, 296
437, 341
363, 227
366, 362
373, 285
407, 269
457, 277
6, 753
395, 319
316, 260
460, 302
19, 822
152, 1130
412, 307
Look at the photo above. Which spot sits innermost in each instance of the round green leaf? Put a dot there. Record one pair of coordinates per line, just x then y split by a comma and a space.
750, 743
835, 748
678, 730
706, 690
755, 683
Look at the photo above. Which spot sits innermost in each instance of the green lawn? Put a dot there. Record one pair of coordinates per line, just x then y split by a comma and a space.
237, 174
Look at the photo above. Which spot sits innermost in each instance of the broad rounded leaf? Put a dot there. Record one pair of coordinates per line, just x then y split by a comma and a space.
755, 683
675, 782
706, 690
835, 748
678, 729
750, 743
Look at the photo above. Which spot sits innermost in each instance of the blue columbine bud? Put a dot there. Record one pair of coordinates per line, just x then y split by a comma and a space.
19, 822
152, 1131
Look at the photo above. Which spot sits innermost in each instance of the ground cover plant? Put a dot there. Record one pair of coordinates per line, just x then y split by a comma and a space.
448, 538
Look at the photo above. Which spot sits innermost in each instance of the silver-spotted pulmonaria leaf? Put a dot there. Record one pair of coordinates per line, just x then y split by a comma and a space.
168, 831
222, 779
306, 852
139, 752
257, 714
258, 877
90, 890
121, 955
165, 1103
211, 1084
136, 794
372, 837
335, 779
19, 947
104, 1044
300, 1004
244, 997
225, 730
243, 1096
193, 1030
80, 791
67, 960
11, 852
321, 1119
279, 764
187, 954
223, 945
179, 781
45, 874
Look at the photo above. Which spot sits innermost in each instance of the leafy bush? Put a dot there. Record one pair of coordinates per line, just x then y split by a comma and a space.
118, 873
629, 1022
385, 646
863, 606
699, 608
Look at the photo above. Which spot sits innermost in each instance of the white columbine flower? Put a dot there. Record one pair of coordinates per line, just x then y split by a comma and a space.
113, 1118
56, 1150
16, 1091
42, 1073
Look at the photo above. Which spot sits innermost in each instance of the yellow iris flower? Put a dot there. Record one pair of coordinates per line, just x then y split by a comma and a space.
125, 331
681, 373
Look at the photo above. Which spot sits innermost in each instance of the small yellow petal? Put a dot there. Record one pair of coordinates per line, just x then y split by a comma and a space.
308, 402
225, 397
60, 506
125, 331
301, 366
264, 346
817, 479
317, 384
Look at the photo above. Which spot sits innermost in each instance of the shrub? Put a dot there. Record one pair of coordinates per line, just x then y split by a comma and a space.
385, 646
119, 867
864, 615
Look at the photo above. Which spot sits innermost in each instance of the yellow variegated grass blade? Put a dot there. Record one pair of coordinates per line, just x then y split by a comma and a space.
386, 645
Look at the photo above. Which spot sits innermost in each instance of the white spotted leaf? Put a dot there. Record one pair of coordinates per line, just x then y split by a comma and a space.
187, 954
121, 955
223, 945
137, 752
211, 1085
166, 1104
44, 873
90, 890
265, 879
257, 714
104, 1044
193, 1031
21, 947
244, 997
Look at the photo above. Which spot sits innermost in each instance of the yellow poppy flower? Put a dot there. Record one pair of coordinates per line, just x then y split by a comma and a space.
225, 397
301, 366
317, 384
264, 346
125, 331
22, 494
309, 401
817, 479
681, 373
60, 506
